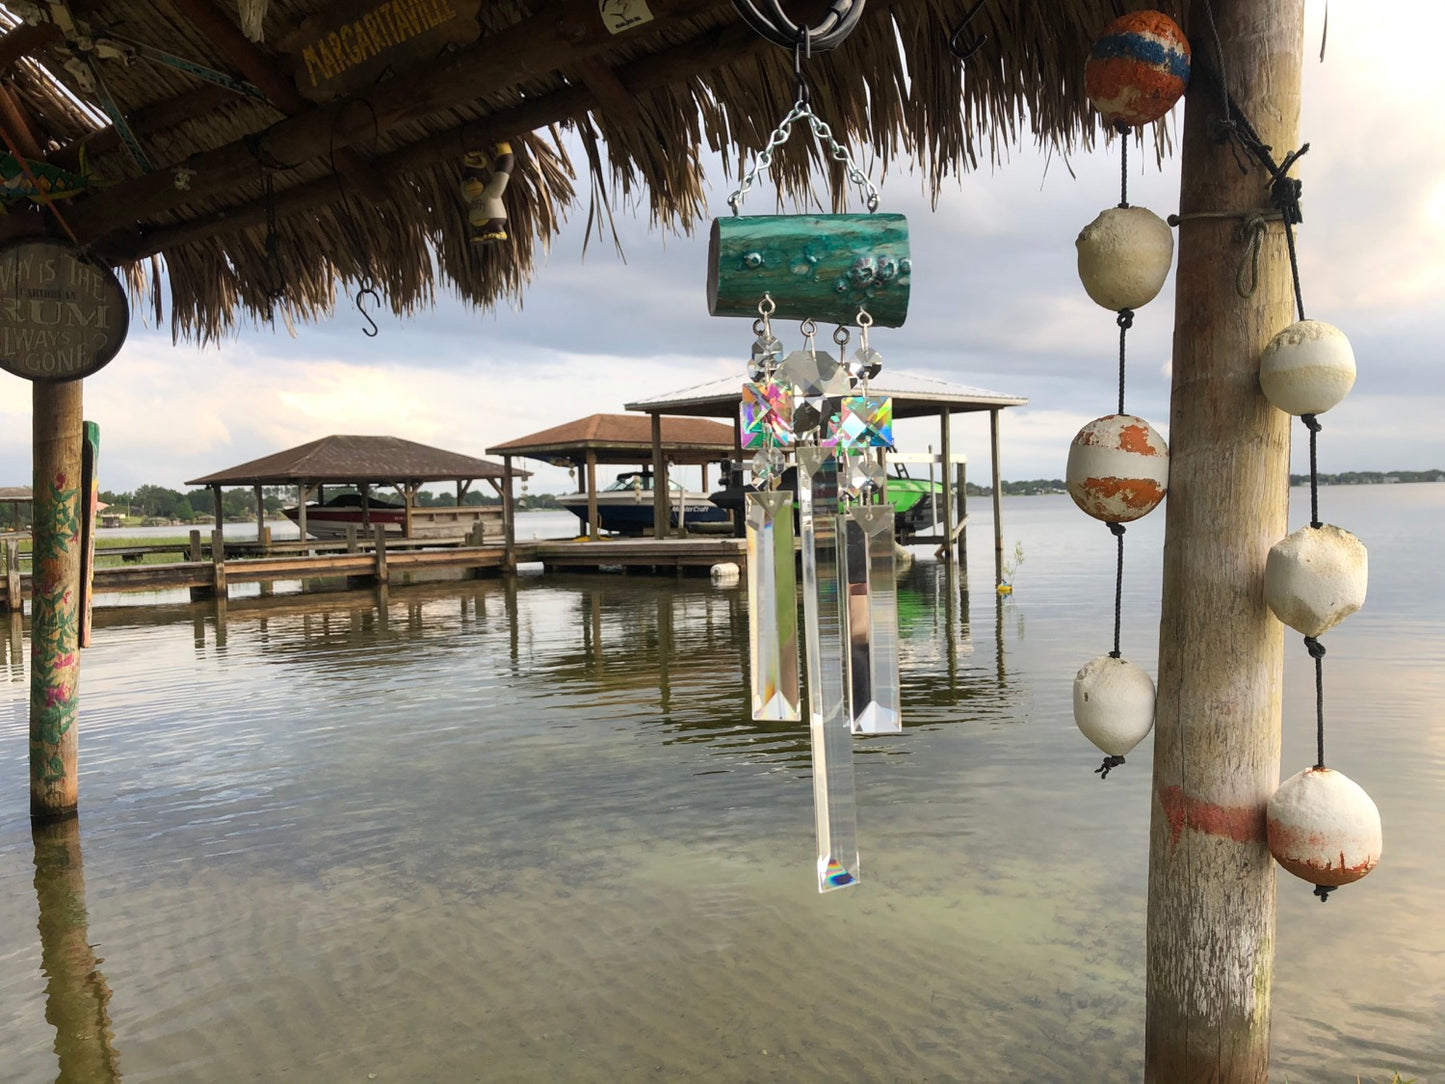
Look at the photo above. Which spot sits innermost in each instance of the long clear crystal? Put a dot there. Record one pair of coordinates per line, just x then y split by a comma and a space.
871, 620
834, 806
773, 607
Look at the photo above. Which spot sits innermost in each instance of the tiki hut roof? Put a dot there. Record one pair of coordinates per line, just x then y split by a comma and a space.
319, 151
356, 460
623, 438
15, 495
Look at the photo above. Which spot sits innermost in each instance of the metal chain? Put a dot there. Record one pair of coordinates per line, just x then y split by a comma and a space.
839, 153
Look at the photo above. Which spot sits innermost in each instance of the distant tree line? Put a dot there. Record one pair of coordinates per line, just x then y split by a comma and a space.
1035, 486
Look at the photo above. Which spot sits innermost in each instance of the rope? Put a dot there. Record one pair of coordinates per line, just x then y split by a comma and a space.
1312, 423
1118, 531
1123, 131
1317, 652
1125, 320
1110, 763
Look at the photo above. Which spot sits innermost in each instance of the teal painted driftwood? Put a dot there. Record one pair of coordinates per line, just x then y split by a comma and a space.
821, 266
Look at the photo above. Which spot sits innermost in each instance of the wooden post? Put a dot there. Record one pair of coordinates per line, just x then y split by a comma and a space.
1216, 745
218, 563
997, 498
380, 537
945, 420
260, 499
351, 538
217, 507
14, 602
55, 591
301, 512
509, 516
960, 489
660, 492
594, 529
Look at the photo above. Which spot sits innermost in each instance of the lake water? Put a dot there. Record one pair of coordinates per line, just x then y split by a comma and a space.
526, 831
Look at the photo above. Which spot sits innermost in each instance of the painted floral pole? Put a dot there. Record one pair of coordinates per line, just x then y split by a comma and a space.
55, 621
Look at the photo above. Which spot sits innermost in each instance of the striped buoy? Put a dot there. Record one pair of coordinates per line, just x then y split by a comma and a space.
1138, 69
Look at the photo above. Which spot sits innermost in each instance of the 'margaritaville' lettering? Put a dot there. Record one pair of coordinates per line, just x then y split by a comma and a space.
390, 23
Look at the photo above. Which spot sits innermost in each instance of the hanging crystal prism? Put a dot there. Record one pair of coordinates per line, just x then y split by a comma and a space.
833, 798
767, 414
772, 606
862, 421
871, 620
861, 475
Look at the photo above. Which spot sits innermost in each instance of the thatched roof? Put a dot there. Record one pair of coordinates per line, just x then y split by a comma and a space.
270, 196
354, 461
15, 495
914, 395
623, 438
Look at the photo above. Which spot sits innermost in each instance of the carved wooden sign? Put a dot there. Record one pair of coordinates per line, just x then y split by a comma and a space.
350, 45
62, 315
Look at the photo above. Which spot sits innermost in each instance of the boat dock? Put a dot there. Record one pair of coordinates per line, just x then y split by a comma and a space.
209, 568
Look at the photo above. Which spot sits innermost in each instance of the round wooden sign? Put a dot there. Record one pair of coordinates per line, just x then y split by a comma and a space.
62, 315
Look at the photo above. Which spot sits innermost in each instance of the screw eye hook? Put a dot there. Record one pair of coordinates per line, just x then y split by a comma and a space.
956, 45
362, 296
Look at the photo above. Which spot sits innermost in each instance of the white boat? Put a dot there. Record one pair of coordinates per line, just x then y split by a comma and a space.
344, 512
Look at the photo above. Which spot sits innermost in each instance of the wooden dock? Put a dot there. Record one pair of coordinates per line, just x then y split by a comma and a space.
209, 569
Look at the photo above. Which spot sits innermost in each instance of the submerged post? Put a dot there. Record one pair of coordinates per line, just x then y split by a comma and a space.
1216, 748
55, 607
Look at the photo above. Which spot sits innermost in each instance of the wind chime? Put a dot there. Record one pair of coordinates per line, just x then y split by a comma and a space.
817, 410
1118, 466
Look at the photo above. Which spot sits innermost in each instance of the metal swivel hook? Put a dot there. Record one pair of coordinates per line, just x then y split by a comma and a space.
767, 18
956, 45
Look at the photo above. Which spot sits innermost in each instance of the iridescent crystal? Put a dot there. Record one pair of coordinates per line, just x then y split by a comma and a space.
813, 373
772, 607
828, 720
870, 618
766, 414
768, 464
863, 421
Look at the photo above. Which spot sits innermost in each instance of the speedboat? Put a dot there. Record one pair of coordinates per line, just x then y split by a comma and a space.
331, 519
625, 506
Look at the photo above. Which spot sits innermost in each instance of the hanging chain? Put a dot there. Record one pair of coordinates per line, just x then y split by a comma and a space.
839, 153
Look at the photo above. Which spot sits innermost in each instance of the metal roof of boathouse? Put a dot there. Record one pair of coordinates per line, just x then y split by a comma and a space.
914, 395
624, 438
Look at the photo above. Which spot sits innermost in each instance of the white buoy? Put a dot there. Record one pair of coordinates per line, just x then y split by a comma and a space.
1307, 368
1315, 578
1118, 468
725, 574
1323, 827
1113, 704
1124, 257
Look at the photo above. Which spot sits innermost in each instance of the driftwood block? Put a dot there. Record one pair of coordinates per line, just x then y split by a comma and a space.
823, 267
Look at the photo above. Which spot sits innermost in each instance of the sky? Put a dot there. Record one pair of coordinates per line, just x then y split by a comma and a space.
996, 304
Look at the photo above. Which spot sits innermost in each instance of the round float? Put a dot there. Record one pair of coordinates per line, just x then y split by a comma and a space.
1113, 704
1316, 577
1124, 257
1118, 468
1138, 68
1307, 368
1323, 827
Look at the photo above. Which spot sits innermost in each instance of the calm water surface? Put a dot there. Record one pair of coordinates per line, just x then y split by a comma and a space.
526, 831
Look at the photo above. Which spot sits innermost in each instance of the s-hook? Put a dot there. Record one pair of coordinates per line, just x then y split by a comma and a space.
955, 43
367, 292
766, 17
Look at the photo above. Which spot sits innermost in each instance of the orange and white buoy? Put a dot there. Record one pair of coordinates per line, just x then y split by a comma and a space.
1324, 828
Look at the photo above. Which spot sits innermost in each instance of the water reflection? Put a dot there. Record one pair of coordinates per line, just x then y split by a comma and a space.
76, 994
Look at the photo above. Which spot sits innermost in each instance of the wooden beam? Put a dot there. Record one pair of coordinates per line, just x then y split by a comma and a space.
165, 113
496, 63
26, 40
280, 90
18, 132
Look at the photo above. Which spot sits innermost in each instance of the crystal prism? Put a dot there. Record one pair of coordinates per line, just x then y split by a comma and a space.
766, 414
870, 614
863, 421
828, 722
768, 464
813, 373
772, 607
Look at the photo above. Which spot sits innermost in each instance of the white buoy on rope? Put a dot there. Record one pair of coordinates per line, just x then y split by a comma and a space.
1316, 577
1324, 828
725, 574
1113, 704
1124, 257
1307, 368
